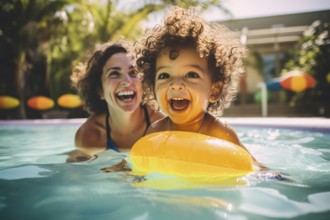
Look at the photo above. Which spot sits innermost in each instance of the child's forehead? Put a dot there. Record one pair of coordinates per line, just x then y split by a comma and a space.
173, 52
180, 57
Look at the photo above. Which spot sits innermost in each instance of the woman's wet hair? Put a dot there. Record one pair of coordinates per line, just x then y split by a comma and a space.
86, 77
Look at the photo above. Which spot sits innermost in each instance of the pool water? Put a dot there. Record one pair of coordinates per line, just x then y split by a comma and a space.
37, 183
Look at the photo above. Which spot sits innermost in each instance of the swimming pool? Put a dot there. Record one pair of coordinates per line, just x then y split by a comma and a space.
37, 183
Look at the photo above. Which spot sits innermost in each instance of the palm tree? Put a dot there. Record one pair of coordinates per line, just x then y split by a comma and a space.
56, 33
26, 29
110, 22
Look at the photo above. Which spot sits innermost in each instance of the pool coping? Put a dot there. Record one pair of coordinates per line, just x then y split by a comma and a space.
42, 121
283, 122
279, 122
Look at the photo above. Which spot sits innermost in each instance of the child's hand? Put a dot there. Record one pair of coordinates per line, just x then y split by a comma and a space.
260, 166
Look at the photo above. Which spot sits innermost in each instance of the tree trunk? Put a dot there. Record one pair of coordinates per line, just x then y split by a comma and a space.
20, 83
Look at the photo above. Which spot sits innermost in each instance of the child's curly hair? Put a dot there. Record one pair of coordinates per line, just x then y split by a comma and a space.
183, 27
86, 77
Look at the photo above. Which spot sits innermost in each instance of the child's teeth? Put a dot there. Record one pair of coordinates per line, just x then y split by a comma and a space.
177, 99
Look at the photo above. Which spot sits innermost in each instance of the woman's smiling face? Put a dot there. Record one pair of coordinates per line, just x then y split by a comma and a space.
121, 85
183, 84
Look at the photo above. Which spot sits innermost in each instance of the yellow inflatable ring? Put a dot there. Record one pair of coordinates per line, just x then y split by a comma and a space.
190, 155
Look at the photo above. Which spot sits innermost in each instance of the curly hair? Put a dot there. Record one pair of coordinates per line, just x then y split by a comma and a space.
86, 77
181, 28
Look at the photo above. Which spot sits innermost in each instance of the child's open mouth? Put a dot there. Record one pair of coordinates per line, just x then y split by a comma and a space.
126, 95
179, 104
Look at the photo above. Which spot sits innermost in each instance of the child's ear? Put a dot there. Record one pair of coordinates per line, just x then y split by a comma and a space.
216, 91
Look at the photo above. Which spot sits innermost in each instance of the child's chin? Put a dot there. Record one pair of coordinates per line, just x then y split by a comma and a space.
177, 119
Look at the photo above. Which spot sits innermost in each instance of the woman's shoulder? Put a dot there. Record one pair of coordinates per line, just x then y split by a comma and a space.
92, 132
94, 122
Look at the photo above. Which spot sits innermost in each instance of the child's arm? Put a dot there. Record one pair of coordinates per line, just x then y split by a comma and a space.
159, 125
216, 128
233, 135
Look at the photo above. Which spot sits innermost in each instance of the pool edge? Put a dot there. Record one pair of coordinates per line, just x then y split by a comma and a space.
283, 122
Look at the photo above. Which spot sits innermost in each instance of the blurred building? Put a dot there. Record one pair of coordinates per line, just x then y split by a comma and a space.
272, 38
269, 40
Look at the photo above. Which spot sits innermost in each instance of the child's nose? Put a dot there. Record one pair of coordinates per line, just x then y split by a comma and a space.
177, 84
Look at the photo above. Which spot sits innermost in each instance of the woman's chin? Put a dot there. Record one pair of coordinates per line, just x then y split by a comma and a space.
128, 105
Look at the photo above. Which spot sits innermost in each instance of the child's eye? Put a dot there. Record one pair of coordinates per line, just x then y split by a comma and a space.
163, 76
192, 75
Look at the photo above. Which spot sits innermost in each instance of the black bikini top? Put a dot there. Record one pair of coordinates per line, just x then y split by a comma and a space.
110, 144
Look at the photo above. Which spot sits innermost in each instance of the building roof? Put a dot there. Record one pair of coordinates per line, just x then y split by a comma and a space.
282, 31
290, 20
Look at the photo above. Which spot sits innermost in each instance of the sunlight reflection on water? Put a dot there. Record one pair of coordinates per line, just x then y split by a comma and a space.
35, 180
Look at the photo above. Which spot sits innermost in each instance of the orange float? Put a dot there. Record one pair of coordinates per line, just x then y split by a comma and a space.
8, 102
69, 101
297, 81
189, 154
40, 103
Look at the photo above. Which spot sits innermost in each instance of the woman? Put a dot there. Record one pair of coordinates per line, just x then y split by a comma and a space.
111, 90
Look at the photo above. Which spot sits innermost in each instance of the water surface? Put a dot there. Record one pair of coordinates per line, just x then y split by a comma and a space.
37, 183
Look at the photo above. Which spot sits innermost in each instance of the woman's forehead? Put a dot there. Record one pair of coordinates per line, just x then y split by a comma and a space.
118, 60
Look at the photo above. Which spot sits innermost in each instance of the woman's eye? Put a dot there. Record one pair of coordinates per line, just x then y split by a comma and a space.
192, 75
163, 76
113, 74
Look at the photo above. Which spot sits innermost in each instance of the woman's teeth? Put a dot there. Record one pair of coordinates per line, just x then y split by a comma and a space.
125, 95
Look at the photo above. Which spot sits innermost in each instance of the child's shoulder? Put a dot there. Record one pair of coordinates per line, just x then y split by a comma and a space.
159, 125
216, 127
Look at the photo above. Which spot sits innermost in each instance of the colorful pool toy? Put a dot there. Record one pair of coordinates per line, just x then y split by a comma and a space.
274, 85
69, 101
40, 103
8, 102
190, 155
297, 81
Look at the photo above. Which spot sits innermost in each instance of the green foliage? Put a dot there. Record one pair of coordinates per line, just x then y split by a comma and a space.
187, 3
312, 56
41, 40
26, 27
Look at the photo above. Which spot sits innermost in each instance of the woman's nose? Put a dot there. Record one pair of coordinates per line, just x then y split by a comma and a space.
126, 80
